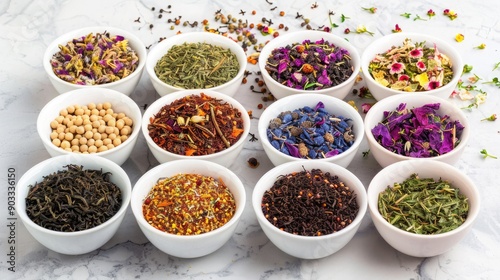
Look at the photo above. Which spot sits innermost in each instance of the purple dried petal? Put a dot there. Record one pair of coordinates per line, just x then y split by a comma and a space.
119, 38
294, 151
118, 67
324, 79
282, 66
320, 105
332, 153
381, 133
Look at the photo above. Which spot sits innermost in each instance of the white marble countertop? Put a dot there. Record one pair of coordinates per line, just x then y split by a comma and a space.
28, 26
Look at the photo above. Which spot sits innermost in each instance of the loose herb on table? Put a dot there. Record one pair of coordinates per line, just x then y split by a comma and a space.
188, 204
423, 205
196, 125
74, 199
310, 203
95, 59
197, 65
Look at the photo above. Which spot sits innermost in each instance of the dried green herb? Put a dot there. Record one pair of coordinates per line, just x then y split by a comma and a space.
423, 205
197, 66
73, 199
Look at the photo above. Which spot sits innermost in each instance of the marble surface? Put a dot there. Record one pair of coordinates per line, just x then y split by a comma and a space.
28, 26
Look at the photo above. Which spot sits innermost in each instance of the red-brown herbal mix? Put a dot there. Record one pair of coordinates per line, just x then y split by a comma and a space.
196, 125
310, 203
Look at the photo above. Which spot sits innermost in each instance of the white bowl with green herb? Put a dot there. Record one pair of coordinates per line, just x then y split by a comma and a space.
425, 223
411, 62
196, 60
97, 56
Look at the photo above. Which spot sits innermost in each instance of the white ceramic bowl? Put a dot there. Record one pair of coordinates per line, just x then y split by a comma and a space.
384, 43
126, 85
333, 105
309, 247
157, 52
225, 157
279, 91
188, 246
80, 242
383, 156
120, 103
421, 245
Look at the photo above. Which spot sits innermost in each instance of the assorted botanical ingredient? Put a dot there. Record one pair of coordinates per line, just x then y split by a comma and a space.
91, 128
310, 133
423, 205
196, 125
310, 203
420, 132
197, 66
189, 204
412, 67
95, 59
310, 65
73, 199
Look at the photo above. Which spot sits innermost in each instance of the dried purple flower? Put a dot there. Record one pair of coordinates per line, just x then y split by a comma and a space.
310, 65
418, 132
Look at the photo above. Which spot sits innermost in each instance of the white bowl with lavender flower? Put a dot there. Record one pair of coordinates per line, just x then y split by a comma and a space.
98, 56
411, 62
309, 62
311, 126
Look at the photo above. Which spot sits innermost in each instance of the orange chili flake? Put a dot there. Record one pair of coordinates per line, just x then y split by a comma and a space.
189, 204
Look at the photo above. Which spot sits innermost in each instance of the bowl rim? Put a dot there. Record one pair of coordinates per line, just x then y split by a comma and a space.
52, 48
343, 173
195, 36
136, 201
106, 164
425, 99
296, 37
386, 40
311, 97
154, 108
97, 92
471, 186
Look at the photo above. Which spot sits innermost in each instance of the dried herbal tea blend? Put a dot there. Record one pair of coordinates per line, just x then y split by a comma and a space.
418, 132
310, 65
423, 205
196, 125
188, 204
310, 133
73, 199
412, 67
197, 65
310, 203
95, 59
89, 129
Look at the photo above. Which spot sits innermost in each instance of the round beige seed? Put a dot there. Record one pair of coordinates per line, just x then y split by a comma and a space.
54, 135
70, 109
54, 124
92, 149
56, 142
